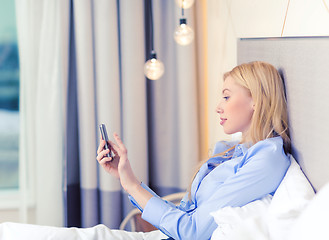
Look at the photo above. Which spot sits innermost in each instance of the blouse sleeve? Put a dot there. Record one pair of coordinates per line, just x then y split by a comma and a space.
135, 203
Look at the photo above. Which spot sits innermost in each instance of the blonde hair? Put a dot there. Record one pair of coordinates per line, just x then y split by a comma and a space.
270, 117
266, 87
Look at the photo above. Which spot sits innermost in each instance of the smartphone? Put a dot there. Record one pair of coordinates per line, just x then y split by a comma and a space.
102, 128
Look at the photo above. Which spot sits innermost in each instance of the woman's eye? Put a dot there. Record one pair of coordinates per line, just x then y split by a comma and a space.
226, 98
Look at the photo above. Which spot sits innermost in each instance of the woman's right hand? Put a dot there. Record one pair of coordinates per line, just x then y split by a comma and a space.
110, 164
120, 166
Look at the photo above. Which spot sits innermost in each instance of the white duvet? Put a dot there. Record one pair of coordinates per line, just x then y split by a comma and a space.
245, 223
17, 231
269, 218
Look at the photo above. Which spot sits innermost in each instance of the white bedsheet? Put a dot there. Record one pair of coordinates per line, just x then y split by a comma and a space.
17, 231
243, 223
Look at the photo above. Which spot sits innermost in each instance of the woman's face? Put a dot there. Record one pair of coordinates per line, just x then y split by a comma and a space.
235, 108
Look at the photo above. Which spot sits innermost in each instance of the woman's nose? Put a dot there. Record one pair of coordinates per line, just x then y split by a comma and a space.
219, 109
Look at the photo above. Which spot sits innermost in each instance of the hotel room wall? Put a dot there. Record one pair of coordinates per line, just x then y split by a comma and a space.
229, 20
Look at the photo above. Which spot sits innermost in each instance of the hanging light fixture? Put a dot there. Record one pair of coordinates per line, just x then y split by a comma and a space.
153, 68
183, 34
185, 3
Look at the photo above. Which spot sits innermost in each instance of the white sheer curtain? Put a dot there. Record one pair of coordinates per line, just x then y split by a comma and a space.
42, 38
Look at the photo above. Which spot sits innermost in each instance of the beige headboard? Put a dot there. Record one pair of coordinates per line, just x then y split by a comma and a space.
304, 64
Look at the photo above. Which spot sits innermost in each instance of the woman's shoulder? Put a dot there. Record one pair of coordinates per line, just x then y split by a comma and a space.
269, 144
270, 149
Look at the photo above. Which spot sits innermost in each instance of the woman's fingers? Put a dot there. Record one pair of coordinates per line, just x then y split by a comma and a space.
101, 154
120, 143
101, 146
115, 148
105, 160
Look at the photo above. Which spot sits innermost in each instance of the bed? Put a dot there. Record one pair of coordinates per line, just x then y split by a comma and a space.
298, 209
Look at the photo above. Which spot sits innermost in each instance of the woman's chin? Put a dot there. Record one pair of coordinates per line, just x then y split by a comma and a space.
229, 132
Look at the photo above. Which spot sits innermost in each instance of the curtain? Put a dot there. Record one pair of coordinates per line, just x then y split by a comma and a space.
156, 119
173, 105
91, 67
42, 41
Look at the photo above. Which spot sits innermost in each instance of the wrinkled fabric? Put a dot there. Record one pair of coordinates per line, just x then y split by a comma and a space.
244, 175
18, 231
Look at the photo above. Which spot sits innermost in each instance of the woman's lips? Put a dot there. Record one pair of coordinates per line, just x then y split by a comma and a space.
222, 121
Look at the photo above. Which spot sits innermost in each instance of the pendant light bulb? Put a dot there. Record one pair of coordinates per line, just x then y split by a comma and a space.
183, 34
185, 3
153, 68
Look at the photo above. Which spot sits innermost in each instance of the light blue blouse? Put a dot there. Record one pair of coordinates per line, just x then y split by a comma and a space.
249, 175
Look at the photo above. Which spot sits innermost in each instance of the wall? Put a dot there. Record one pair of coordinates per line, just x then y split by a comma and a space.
229, 20
12, 215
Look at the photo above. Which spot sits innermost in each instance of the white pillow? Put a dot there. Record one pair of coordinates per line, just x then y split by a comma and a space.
242, 222
267, 219
290, 199
313, 222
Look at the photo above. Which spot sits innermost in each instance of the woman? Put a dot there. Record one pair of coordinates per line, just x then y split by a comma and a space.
253, 103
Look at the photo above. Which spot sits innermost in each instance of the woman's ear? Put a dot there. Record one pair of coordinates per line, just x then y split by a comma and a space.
253, 105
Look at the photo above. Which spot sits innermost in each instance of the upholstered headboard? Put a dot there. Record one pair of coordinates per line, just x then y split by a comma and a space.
304, 64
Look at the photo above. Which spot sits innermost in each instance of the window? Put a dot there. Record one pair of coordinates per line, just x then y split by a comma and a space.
9, 98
